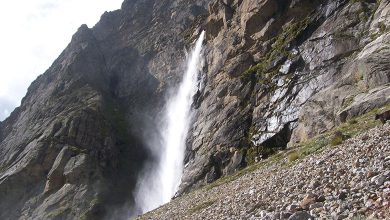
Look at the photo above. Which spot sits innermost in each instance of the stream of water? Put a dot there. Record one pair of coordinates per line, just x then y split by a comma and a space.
161, 180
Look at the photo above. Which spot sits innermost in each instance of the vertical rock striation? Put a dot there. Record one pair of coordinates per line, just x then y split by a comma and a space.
281, 72
76, 145
278, 73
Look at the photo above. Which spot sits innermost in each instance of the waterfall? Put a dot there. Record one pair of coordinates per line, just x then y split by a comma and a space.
178, 119
161, 180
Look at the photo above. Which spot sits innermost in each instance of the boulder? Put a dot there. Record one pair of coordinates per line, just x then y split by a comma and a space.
256, 14
301, 215
76, 169
55, 178
308, 200
235, 162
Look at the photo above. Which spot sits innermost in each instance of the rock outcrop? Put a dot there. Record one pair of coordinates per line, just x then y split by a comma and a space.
349, 181
281, 72
277, 73
75, 146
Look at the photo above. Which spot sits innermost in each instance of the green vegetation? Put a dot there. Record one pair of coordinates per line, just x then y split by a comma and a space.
348, 101
352, 121
293, 156
3, 168
315, 145
359, 217
59, 213
201, 206
251, 155
278, 48
289, 33
93, 206
382, 27
347, 130
249, 169
354, 1
336, 141
265, 72
77, 149
94, 202
365, 13
259, 152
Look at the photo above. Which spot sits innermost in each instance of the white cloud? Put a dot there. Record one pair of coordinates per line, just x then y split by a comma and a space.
33, 34
6, 105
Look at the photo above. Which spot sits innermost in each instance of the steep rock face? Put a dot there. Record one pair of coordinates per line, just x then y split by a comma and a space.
75, 146
280, 72
277, 73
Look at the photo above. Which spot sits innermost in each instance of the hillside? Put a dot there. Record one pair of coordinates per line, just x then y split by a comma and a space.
319, 180
277, 75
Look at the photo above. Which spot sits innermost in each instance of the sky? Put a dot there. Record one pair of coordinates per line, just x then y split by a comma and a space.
33, 34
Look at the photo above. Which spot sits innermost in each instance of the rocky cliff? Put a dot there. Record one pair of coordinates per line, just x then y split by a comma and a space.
316, 181
277, 74
282, 72
75, 146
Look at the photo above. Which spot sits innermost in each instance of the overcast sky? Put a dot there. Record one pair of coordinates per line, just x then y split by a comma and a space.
33, 34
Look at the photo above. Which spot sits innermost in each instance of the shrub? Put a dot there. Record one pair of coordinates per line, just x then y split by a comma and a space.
251, 155
293, 156
353, 121
201, 206
337, 140
382, 27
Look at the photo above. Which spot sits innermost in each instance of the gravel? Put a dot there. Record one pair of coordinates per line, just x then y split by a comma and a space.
349, 181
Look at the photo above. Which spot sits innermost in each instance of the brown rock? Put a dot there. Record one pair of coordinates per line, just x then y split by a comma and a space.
308, 200
371, 174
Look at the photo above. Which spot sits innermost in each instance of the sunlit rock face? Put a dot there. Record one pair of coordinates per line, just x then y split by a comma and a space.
315, 64
276, 73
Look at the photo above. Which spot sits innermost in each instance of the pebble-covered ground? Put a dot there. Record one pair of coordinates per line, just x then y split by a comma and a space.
349, 181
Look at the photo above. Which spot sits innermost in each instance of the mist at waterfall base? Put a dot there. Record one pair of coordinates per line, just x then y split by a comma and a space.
160, 180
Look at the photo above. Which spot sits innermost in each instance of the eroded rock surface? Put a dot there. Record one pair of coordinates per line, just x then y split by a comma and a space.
75, 146
348, 181
277, 73
315, 64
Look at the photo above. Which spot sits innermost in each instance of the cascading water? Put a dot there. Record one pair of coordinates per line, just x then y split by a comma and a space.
161, 180
178, 119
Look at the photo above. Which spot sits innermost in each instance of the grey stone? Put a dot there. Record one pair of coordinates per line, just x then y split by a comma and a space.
301, 215
316, 205
55, 178
103, 97
378, 180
